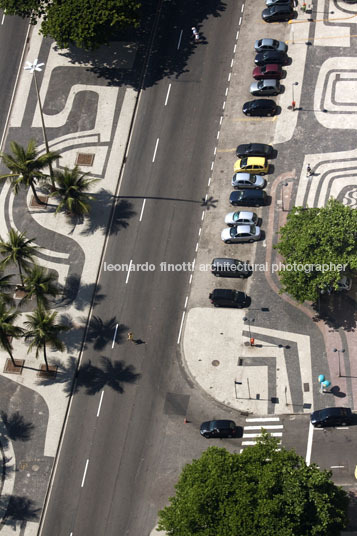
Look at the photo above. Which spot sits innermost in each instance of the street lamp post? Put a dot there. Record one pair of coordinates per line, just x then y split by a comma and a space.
339, 360
246, 318
293, 103
33, 67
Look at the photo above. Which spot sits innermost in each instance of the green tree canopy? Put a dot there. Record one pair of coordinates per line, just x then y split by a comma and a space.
84, 23
314, 237
260, 492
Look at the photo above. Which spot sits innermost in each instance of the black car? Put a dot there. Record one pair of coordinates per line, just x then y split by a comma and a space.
260, 107
248, 198
222, 428
230, 268
278, 13
221, 297
270, 3
255, 149
331, 417
271, 57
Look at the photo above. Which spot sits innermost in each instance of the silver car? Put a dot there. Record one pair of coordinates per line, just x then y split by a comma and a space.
240, 233
248, 181
270, 44
265, 87
241, 217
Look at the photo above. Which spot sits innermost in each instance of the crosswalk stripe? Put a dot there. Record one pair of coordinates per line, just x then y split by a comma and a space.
269, 427
253, 443
273, 434
262, 419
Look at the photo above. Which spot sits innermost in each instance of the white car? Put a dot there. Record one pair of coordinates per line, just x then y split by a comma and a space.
240, 233
240, 218
248, 181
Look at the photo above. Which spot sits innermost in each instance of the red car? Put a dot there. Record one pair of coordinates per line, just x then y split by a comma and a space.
268, 72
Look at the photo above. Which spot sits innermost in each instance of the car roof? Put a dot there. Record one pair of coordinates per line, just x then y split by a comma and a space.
242, 176
256, 159
333, 412
267, 41
224, 292
280, 7
250, 192
222, 423
271, 67
244, 215
222, 260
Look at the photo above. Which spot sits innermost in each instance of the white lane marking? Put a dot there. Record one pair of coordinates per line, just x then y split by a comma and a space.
242, 8
268, 427
182, 319
100, 403
190, 281
232, 61
209, 181
127, 277
336, 466
309, 445
220, 122
212, 165
237, 35
199, 232
254, 443
84, 474
115, 334
203, 212
234, 50
206, 197
240, 21
168, 93
197, 247
262, 419
179, 41
215, 151
273, 434
157, 143
229, 77
342, 428
217, 135
226, 91
142, 210
224, 105
185, 302
3, 18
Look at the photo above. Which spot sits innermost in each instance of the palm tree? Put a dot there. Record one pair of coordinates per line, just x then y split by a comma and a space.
27, 166
72, 190
40, 283
43, 331
17, 250
8, 330
6, 288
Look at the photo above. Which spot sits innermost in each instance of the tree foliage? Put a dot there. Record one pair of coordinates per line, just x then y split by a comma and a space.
260, 492
314, 237
84, 23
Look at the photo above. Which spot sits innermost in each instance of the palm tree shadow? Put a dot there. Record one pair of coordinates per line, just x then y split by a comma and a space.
79, 293
114, 375
64, 375
99, 219
17, 428
17, 511
101, 332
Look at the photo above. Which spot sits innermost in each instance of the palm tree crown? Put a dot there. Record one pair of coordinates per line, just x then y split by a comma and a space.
17, 250
72, 190
7, 329
26, 165
6, 288
40, 283
43, 331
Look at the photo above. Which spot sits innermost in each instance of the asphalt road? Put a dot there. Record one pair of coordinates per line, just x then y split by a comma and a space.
13, 32
116, 469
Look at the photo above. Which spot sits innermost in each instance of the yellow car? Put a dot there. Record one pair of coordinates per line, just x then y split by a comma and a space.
253, 164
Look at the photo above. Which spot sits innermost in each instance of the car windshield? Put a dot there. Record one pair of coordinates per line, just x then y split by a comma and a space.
236, 216
252, 229
260, 84
233, 232
244, 161
275, 43
253, 179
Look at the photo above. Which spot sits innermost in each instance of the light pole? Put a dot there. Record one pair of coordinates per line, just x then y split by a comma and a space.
339, 360
33, 67
293, 103
246, 318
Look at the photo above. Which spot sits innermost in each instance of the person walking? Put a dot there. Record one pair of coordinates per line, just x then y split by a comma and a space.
195, 33
308, 171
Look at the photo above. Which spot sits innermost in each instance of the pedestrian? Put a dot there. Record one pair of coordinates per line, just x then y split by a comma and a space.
131, 336
195, 33
308, 171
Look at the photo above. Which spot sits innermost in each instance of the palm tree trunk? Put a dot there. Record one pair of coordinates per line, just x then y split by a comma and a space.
45, 357
38, 200
20, 273
12, 357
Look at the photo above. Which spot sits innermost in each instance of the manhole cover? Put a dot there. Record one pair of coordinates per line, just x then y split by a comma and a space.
215, 363
85, 159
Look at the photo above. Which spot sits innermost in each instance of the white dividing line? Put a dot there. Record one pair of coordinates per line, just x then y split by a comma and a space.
190, 281
168, 93
268, 427
157, 143
224, 105
309, 445
179, 41
342, 428
182, 319
220, 122
206, 197
142, 210
242, 8
85, 472
186, 300
196, 247
262, 419
240, 21
254, 443
3, 19
336, 466
199, 231
234, 50
215, 151
229, 77
273, 434
232, 61
226, 91
203, 212
100, 403
212, 165
127, 277
115, 334
217, 135
209, 182
237, 35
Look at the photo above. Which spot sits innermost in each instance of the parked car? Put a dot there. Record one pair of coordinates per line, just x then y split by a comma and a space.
260, 108
240, 218
270, 3
255, 149
221, 297
270, 44
265, 88
222, 267
248, 198
246, 180
331, 417
269, 71
240, 233
278, 13
251, 164
271, 57
222, 428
